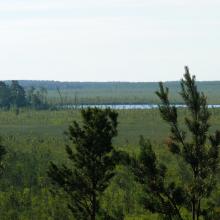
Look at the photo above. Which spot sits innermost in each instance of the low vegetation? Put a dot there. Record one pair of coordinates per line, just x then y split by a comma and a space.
78, 93
171, 172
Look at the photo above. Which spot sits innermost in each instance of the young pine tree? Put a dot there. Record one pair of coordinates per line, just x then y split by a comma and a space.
198, 150
92, 162
158, 196
18, 95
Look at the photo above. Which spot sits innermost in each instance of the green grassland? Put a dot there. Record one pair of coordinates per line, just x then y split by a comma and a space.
34, 138
132, 123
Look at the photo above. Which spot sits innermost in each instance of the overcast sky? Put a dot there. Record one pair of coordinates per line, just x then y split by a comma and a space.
109, 40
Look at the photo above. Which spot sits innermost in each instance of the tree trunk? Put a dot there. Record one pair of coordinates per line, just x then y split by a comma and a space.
193, 209
198, 211
93, 216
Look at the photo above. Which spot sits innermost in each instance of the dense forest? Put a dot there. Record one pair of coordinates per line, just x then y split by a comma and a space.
13, 95
110, 164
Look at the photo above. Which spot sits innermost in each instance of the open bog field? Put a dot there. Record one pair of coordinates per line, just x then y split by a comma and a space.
52, 124
34, 138
116, 92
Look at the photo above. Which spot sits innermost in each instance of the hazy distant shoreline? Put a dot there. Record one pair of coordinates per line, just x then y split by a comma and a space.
124, 93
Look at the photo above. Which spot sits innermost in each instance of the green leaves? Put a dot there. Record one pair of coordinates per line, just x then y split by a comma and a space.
201, 156
159, 196
93, 162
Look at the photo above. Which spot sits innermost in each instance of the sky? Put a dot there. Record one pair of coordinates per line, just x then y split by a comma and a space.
109, 40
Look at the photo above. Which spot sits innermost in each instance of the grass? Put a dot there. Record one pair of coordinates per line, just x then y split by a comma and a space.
34, 138
132, 123
117, 92
43, 124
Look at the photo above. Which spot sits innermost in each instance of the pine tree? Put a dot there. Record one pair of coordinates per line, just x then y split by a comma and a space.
4, 95
17, 92
158, 195
92, 162
198, 150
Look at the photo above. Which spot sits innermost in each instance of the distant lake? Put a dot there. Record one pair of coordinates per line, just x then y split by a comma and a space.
127, 106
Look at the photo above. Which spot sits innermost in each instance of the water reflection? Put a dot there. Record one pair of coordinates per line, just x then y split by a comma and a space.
127, 106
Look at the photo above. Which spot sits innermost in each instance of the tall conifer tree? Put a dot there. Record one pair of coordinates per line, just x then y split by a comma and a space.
92, 162
196, 148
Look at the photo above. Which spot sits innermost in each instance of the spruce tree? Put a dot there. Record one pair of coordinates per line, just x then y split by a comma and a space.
198, 150
92, 162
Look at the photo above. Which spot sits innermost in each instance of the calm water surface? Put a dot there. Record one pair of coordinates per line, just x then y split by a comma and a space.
128, 106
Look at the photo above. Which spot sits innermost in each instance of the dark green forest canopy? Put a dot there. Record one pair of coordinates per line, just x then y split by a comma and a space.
13, 95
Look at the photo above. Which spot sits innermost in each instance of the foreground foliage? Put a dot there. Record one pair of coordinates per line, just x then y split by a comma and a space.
34, 138
198, 151
92, 161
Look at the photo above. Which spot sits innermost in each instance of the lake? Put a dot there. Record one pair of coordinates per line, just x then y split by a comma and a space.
127, 106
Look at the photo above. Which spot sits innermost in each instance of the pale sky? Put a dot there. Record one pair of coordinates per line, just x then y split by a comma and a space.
109, 40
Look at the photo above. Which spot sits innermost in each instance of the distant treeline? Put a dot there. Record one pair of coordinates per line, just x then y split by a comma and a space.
14, 95
79, 93
173, 85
